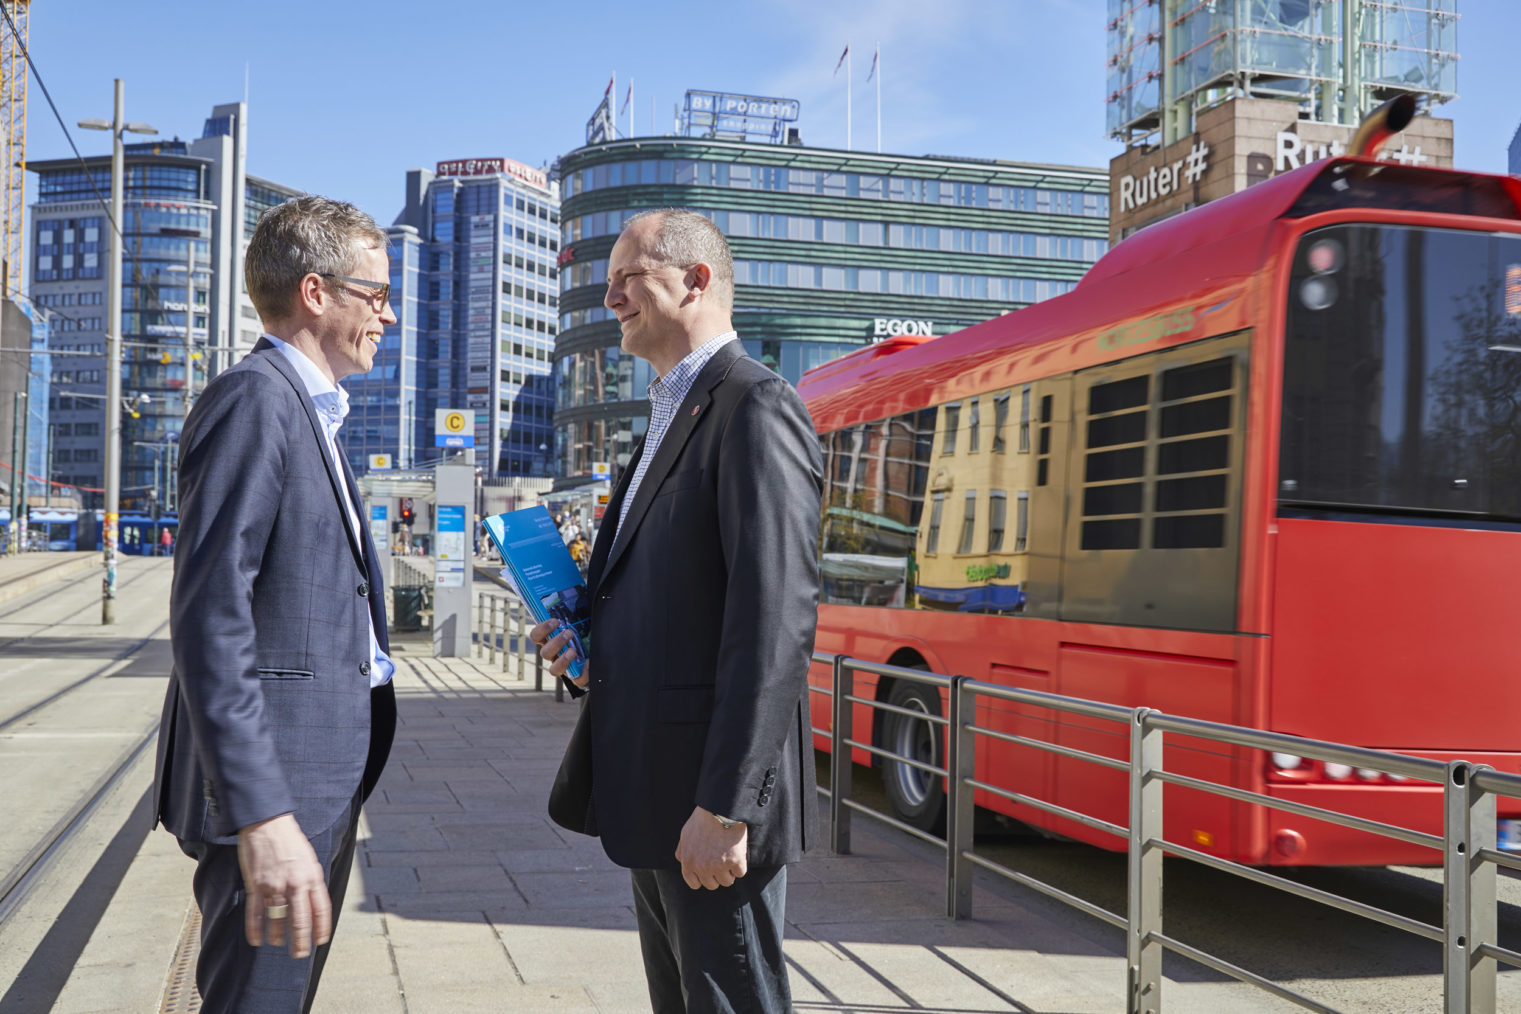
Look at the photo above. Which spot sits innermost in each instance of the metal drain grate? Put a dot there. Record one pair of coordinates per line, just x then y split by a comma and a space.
180, 996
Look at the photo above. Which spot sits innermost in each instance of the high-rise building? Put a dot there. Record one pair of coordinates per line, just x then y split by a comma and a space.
475, 292
1210, 98
190, 208
1513, 155
832, 250
1170, 59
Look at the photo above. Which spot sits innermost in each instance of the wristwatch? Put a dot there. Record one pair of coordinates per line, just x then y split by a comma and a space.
726, 822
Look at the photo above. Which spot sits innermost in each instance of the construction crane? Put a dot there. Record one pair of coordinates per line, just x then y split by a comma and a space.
13, 78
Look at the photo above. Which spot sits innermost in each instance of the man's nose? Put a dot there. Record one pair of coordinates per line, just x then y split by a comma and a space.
613, 297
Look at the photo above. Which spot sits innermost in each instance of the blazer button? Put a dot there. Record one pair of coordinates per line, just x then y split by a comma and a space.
364, 668
364, 590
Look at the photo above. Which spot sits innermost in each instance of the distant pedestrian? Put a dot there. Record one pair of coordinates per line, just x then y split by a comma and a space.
698, 759
280, 710
165, 543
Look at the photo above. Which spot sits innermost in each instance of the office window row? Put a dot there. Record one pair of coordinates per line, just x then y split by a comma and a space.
857, 232
690, 172
95, 298
919, 283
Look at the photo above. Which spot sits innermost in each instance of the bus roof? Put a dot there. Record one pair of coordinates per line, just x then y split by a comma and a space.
1183, 275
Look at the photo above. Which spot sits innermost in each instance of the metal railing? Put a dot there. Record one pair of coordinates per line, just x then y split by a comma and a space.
501, 628
1468, 844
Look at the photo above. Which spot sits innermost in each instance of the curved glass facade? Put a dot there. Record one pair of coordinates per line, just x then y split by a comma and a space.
832, 250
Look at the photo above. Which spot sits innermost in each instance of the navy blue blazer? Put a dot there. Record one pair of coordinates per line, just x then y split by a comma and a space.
269, 708
703, 617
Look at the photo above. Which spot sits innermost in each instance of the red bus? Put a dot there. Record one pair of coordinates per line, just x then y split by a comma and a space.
1261, 467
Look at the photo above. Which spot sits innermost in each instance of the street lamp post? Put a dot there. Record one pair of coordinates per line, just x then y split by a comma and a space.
117, 127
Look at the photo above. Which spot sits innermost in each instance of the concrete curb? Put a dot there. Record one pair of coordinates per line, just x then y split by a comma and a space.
41, 576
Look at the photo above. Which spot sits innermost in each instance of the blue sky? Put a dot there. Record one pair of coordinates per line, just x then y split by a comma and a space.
346, 96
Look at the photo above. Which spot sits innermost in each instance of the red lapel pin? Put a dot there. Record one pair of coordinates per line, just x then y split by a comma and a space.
695, 408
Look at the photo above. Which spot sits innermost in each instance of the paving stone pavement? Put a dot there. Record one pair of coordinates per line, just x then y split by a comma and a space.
465, 897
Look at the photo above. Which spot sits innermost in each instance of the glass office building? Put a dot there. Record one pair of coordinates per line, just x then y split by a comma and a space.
832, 250
387, 404
189, 211
476, 324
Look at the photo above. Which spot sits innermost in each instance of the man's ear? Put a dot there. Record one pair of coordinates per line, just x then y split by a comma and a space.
312, 296
700, 278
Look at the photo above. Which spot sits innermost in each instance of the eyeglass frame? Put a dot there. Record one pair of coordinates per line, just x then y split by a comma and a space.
384, 287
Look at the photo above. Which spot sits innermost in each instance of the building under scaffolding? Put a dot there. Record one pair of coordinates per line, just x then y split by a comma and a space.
1169, 59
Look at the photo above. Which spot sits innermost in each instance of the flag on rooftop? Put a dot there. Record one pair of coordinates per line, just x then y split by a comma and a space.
842, 58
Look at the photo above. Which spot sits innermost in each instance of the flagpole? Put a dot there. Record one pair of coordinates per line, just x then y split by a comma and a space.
878, 61
847, 96
612, 89
631, 106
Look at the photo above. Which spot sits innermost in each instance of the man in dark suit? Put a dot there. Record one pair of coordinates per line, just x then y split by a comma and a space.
704, 587
280, 710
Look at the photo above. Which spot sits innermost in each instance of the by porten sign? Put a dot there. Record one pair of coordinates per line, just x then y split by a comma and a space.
892, 327
491, 167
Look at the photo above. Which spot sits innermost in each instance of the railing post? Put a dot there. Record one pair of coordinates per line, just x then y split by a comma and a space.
960, 819
839, 758
1468, 888
480, 623
1144, 909
491, 630
509, 642
520, 638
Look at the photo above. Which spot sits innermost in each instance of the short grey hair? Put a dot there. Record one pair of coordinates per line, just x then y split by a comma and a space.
302, 236
686, 238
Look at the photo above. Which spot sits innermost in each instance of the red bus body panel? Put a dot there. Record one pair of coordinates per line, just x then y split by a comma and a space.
1394, 636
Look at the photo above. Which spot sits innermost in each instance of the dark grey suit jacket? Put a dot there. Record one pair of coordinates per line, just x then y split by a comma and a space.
269, 709
703, 616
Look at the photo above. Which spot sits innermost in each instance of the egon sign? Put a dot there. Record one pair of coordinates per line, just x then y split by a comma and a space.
892, 327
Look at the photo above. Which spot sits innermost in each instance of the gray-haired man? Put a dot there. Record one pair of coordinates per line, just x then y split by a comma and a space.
280, 711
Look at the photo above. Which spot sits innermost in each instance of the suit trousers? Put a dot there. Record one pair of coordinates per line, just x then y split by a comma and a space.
714, 952
234, 977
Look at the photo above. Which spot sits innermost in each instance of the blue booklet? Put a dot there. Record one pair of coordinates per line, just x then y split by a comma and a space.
540, 568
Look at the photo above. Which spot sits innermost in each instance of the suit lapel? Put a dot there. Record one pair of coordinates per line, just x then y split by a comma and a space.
277, 359
689, 415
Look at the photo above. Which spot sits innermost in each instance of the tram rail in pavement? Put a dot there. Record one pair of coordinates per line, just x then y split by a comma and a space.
466, 898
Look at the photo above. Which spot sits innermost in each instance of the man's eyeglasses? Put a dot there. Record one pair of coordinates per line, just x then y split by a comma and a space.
383, 295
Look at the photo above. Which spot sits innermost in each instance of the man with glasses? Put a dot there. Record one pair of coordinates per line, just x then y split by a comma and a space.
280, 710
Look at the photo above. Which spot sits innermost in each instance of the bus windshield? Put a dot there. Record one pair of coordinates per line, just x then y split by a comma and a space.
1402, 373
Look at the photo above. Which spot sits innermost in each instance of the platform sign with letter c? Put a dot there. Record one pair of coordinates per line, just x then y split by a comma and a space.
454, 427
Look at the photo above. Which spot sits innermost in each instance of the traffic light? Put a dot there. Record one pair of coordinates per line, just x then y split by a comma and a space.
153, 507
406, 510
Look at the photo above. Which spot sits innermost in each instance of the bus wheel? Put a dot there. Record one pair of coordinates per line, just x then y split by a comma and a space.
916, 796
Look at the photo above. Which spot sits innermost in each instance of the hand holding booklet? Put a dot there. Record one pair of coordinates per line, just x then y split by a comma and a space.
546, 578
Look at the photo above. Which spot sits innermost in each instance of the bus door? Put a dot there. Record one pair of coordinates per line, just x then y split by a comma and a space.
1150, 562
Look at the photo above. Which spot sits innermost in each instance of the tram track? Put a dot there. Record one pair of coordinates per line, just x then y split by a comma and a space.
28, 604
35, 864
28, 601
121, 656
93, 777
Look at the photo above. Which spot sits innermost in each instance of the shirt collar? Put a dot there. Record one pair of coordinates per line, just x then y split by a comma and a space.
676, 383
331, 400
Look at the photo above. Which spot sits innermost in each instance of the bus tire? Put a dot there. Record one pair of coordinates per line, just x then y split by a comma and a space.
914, 796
